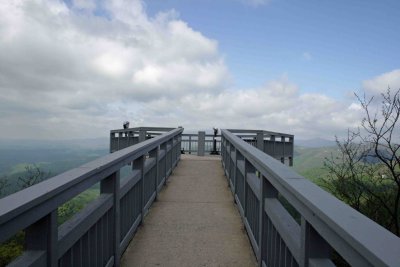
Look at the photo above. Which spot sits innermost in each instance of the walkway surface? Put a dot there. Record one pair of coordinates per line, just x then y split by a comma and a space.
193, 223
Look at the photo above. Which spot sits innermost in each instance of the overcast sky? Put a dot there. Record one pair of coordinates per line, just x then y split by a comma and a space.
79, 68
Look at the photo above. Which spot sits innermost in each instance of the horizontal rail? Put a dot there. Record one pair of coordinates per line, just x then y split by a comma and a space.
326, 222
97, 235
147, 129
266, 133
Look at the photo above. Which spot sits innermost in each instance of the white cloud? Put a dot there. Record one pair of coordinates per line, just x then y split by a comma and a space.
60, 67
380, 83
65, 73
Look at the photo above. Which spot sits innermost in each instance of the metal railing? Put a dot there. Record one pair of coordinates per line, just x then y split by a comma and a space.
98, 234
258, 182
278, 145
122, 138
190, 143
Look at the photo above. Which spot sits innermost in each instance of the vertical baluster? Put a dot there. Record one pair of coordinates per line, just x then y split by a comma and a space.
201, 139
248, 168
42, 235
174, 149
154, 154
269, 191
190, 144
138, 164
142, 135
291, 140
234, 178
312, 244
118, 139
111, 142
110, 185
180, 144
262, 217
273, 146
222, 153
171, 162
260, 141
283, 139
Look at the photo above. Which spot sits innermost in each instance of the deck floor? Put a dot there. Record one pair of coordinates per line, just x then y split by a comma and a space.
193, 223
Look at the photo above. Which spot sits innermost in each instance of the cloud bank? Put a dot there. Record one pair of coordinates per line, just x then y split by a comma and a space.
80, 69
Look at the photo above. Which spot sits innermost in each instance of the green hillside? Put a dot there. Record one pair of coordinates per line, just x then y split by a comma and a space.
54, 162
309, 162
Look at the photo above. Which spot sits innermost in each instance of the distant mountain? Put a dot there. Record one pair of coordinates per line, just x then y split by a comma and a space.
53, 155
314, 143
26, 144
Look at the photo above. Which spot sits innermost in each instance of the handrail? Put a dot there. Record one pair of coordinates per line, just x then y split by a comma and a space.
268, 133
35, 208
136, 129
326, 222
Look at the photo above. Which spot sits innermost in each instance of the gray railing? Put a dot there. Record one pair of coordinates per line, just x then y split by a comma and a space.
98, 234
259, 183
278, 145
190, 143
122, 138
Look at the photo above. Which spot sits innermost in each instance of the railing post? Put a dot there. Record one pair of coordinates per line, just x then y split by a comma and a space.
174, 150
312, 244
234, 178
142, 135
42, 235
110, 185
111, 141
269, 192
190, 144
171, 152
263, 193
260, 141
291, 140
164, 146
283, 140
228, 159
138, 164
201, 141
272, 138
222, 152
248, 168
179, 145
154, 154
118, 140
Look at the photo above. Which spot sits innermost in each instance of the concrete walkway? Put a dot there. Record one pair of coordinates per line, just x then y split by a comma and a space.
193, 223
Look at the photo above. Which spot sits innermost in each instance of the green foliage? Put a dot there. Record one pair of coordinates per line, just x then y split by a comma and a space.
68, 209
366, 172
11, 249
3, 185
17, 174
308, 162
14, 247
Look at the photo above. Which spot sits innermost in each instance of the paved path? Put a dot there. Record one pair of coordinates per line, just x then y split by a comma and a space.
193, 223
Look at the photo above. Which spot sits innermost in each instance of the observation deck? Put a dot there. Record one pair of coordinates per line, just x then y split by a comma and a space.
246, 207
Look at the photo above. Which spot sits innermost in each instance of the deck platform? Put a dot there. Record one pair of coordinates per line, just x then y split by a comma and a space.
194, 222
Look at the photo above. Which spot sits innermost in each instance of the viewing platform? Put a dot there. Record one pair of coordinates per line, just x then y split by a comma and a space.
157, 207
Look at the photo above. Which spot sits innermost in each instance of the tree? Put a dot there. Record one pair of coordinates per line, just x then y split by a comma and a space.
3, 185
33, 175
371, 186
